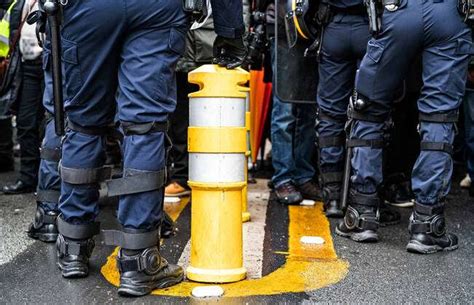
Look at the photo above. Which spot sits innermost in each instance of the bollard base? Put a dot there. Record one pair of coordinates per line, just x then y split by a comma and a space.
216, 275
245, 216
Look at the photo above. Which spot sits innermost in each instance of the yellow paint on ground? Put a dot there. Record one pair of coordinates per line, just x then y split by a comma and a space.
307, 268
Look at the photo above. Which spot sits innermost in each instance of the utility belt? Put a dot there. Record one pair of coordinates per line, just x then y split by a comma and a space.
466, 9
353, 10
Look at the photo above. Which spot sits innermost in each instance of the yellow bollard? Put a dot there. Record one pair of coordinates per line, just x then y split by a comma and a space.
245, 212
217, 147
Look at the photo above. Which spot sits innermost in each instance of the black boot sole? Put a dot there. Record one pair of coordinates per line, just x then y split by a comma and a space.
417, 247
362, 237
44, 237
131, 290
73, 272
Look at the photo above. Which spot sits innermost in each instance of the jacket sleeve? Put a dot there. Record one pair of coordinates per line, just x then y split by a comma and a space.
228, 18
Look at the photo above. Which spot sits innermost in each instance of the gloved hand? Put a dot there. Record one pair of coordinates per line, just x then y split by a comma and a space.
229, 52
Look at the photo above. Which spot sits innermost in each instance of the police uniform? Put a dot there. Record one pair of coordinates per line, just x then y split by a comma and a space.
122, 53
343, 47
435, 29
49, 181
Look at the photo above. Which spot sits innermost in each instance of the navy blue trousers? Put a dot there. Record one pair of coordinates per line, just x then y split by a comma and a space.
435, 29
344, 46
118, 56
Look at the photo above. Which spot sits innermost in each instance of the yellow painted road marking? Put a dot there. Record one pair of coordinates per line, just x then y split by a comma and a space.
307, 267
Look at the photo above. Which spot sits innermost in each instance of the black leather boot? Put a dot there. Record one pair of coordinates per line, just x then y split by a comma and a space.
74, 248
388, 216
362, 218
142, 268
44, 227
428, 230
331, 199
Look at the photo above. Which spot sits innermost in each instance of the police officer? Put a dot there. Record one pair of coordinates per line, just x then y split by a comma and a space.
434, 29
44, 227
125, 53
343, 47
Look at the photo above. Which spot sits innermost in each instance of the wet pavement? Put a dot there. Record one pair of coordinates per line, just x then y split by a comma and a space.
376, 273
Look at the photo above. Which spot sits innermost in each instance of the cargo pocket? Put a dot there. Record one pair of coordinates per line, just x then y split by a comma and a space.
73, 75
177, 41
374, 51
456, 82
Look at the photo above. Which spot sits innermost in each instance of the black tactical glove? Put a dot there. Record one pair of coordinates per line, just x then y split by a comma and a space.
229, 52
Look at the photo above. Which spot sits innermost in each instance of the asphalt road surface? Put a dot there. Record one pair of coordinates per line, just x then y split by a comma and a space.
376, 273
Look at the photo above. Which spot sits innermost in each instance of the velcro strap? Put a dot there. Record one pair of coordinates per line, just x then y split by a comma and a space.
51, 196
428, 209
93, 131
352, 114
420, 227
134, 263
324, 142
70, 247
375, 144
332, 177
81, 231
326, 117
131, 241
85, 175
141, 129
449, 117
368, 223
49, 219
437, 146
371, 200
136, 182
50, 154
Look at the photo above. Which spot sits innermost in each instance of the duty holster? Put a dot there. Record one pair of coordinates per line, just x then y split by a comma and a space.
323, 18
375, 10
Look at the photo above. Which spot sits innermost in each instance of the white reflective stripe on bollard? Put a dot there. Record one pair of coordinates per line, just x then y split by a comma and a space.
217, 168
217, 112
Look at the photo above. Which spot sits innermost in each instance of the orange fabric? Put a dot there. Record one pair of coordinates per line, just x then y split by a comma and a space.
260, 94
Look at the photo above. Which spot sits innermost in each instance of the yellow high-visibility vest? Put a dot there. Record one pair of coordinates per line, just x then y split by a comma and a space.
5, 32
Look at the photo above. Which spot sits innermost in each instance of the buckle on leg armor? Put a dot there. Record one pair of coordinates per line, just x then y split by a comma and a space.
41, 218
149, 261
354, 220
